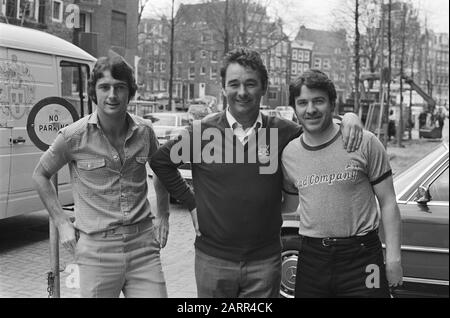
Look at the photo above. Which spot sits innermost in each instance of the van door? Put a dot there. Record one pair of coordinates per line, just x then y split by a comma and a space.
33, 78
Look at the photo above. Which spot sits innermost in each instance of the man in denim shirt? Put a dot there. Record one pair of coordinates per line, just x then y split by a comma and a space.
119, 246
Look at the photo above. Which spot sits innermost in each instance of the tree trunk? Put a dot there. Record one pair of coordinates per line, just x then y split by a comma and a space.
402, 65
172, 34
357, 62
388, 103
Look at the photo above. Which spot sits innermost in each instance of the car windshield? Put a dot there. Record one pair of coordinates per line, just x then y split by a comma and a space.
406, 179
163, 120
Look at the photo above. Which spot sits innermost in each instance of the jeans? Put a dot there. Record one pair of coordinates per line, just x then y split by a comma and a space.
350, 270
220, 278
115, 261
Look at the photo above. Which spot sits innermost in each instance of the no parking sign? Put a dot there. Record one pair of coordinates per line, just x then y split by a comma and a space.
47, 117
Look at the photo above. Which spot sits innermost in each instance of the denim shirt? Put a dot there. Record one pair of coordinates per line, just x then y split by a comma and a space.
107, 192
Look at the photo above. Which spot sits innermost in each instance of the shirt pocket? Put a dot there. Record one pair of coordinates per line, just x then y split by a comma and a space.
94, 176
91, 164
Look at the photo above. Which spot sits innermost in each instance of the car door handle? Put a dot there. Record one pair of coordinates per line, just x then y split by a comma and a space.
16, 141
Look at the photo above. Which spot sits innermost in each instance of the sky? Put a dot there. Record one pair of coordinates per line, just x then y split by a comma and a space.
318, 14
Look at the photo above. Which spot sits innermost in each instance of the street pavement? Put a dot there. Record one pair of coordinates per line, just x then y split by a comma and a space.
25, 261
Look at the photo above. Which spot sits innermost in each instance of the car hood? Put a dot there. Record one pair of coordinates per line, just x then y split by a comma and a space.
403, 180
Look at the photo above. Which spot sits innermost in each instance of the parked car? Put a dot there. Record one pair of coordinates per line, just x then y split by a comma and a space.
423, 198
287, 112
168, 125
199, 111
271, 112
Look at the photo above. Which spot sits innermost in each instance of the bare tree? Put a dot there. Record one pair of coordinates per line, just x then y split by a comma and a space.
242, 23
357, 58
361, 20
141, 8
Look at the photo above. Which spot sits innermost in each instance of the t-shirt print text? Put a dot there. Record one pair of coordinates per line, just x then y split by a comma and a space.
350, 174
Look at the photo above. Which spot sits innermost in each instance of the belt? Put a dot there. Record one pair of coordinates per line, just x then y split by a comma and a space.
125, 229
334, 241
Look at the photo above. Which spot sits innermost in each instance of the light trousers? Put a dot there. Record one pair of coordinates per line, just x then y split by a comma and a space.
117, 261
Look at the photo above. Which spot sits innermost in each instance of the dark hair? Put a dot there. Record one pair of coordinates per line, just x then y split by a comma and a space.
312, 79
119, 69
247, 58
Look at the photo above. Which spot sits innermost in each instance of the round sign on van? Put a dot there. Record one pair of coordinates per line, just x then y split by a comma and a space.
47, 117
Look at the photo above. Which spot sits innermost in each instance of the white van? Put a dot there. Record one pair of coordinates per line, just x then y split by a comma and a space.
33, 65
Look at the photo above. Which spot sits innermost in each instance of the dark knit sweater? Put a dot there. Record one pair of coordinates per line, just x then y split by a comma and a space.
238, 208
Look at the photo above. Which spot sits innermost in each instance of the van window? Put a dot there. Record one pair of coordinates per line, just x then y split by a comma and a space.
74, 79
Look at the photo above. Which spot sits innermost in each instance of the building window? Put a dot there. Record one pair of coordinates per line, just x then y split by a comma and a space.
300, 56
179, 72
206, 37
162, 84
306, 56
192, 72
57, 11
163, 66
294, 55
214, 56
343, 65
336, 77
27, 9
326, 64
342, 77
119, 29
300, 68
203, 54
277, 62
317, 62
202, 70
85, 22
192, 56
305, 67
179, 57
294, 68
272, 95
213, 73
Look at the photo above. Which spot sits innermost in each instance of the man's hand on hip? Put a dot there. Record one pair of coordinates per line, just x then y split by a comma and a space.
67, 236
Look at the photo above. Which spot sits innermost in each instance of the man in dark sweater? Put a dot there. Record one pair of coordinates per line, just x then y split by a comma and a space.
237, 179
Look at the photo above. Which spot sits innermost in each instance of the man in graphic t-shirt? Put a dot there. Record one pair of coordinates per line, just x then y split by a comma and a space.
336, 194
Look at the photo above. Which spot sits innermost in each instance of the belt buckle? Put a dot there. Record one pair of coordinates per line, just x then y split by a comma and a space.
326, 241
